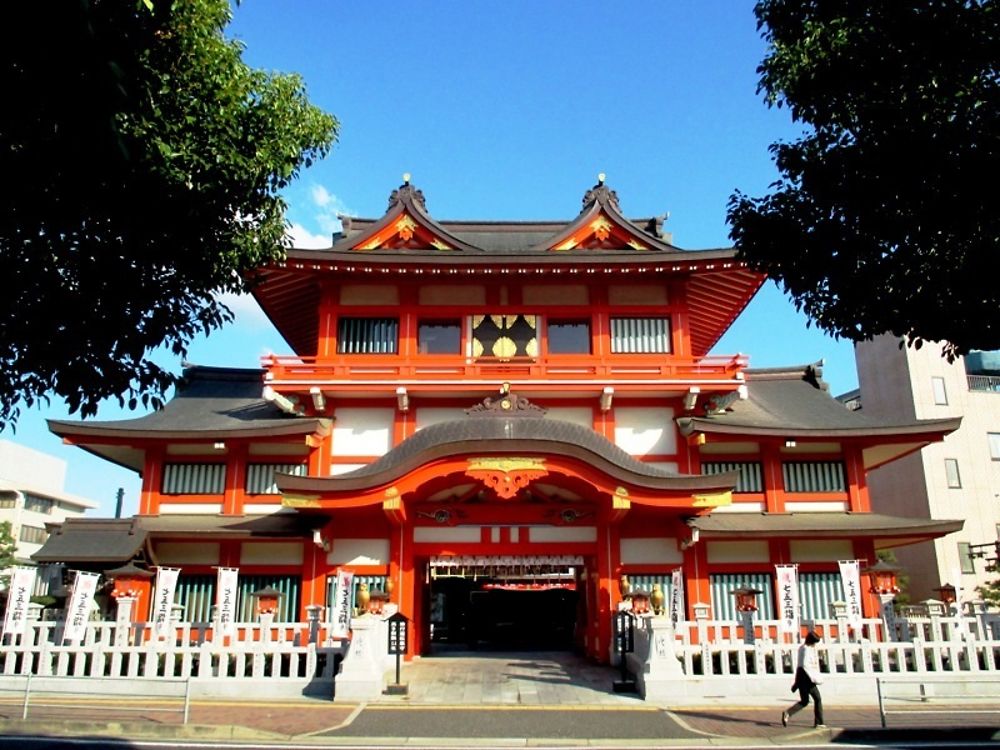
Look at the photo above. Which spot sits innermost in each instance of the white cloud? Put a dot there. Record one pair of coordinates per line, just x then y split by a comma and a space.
321, 196
329, 206
245, 308
303, 238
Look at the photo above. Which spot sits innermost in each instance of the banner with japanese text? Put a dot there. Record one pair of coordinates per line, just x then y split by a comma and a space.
22, 580
80, 602
225, 600
788, 598
163, 599
340, 617
850, 579
677, 610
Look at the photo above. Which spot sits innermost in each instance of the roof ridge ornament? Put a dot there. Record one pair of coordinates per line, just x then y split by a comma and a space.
505, 404
600, 193
406, 193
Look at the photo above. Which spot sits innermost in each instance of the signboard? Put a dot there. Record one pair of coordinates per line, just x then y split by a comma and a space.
625, 631
677, 608
80, 602
399, 628
788, 598
163, 599
18, 595
850, 578
340, 617
225, 600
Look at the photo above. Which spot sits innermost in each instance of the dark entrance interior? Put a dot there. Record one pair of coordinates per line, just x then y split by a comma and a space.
491, 615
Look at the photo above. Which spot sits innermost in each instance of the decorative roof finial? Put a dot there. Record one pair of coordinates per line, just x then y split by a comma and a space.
600, 193
406, 192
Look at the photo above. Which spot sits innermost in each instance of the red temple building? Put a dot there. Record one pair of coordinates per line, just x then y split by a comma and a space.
503, 426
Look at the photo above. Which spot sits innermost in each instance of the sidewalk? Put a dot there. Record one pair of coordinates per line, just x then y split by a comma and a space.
326, 723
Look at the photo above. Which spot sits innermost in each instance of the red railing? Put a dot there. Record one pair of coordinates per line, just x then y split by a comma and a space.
358, 368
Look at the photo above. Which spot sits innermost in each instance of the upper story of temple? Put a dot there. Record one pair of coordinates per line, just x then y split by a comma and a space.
586, 308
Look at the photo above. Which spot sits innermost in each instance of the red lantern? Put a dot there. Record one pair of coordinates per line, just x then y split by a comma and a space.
376, 601
947, 592
129, 580
267, 600
746, 599
640, 602
883, 578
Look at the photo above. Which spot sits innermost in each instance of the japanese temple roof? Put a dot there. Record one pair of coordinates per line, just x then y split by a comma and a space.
212, 403
794, 403
488, 430
98, 540
890, 530
106, 540
406, 238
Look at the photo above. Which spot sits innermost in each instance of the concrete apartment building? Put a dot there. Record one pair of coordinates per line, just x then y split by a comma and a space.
32, 495
958, 478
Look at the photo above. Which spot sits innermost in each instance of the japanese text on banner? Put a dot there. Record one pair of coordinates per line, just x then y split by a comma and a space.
341, 615
163, 599
22, 580
788, 598
850, 579
80, 602
225, 600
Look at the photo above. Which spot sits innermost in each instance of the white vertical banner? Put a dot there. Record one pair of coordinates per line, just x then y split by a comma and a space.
957, 578
225, 600
850, 579
163, 599
340, 617
22, 580
80, 602
788, 598
677, 609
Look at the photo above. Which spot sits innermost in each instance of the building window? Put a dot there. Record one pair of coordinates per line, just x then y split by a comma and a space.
965, 558
814, 476
750, 473
38, 504
504, 336
439, 337
367, 336
940, 393
994, 445
8, 501
194, 479
260, 477
951, 473
33, 535
640, 335
568, 336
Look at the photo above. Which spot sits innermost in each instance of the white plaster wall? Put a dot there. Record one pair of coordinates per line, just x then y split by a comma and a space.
450, 534
428, 415
372, 551
185, 508
820, 550
545, 534
736, 552
188, 553
581, 415
650, 551
362, 432
271, 553
644, 430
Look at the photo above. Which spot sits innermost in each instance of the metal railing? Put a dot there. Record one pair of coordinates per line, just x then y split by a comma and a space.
922, 693
984, 383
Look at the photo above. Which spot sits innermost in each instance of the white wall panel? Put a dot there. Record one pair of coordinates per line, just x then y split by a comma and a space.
362, 432
645, 430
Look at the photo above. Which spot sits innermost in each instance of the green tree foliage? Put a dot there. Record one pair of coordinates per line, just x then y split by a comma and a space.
8, 546
141, 161
884, 218
990, 592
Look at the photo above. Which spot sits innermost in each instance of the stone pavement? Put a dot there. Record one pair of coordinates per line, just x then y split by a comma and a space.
529, 699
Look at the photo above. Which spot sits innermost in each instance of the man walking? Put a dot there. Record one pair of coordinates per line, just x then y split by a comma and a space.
807, 680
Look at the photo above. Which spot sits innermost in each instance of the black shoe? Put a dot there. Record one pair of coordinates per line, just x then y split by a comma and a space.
784, 718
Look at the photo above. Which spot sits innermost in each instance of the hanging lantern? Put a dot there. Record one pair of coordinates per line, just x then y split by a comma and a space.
883, 578
130, 580
640, 602
266, 600
376, 601
947, 592
746, 599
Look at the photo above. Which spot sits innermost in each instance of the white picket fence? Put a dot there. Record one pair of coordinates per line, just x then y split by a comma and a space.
286, 659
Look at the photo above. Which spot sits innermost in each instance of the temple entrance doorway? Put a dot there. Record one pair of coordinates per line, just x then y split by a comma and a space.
503, 604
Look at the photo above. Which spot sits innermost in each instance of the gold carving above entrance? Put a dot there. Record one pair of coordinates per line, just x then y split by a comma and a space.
506, 476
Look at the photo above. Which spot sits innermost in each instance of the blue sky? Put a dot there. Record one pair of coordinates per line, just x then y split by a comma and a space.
509, 111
